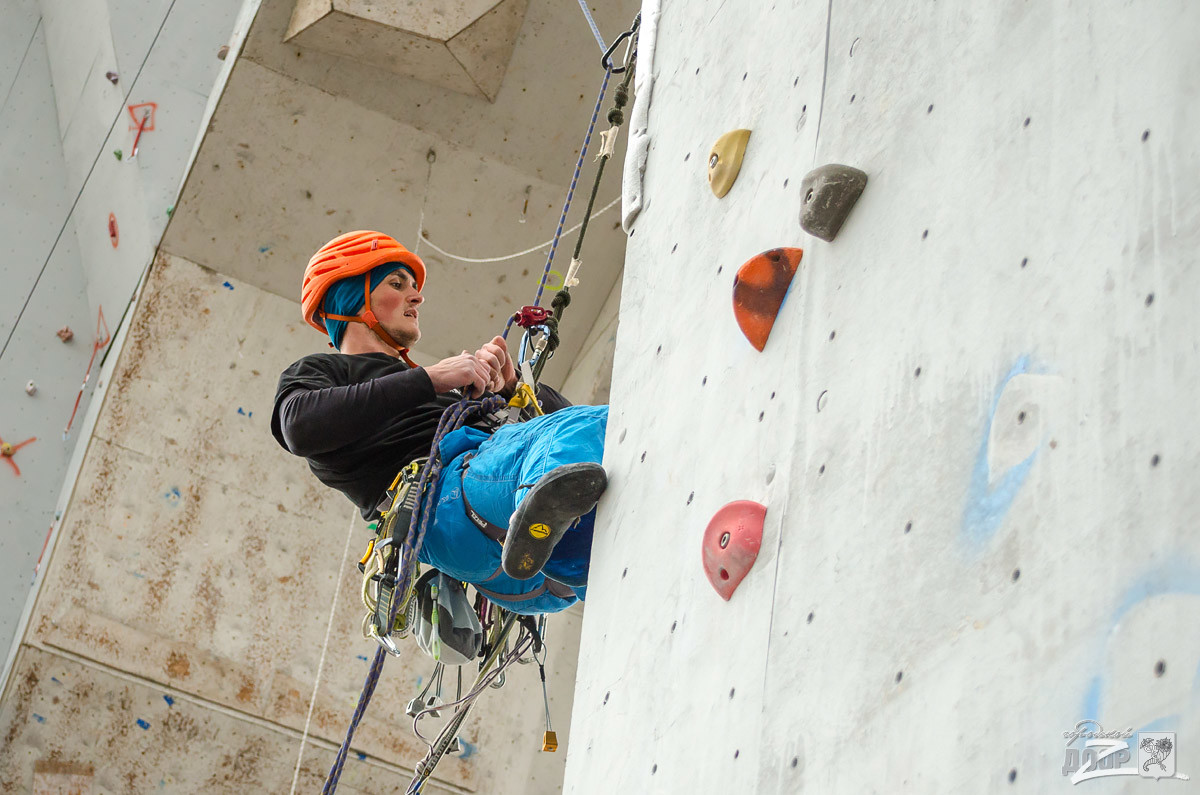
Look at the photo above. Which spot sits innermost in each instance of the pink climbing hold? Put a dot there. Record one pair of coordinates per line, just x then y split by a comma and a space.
731, 544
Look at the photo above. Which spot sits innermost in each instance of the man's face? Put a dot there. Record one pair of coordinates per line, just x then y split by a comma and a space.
395, 302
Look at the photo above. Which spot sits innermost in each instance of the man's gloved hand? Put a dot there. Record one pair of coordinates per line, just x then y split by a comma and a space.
465, 370
502, 373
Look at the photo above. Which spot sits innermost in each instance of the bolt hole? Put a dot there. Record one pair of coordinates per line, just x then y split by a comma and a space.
811, 616
925, 234
1020, 417
1160, 668
899, 675
724, 574
1016, 575
795, 761
1149, 299
719, 269
1024, 261
908, 527
929, 109
687, 157
724, 540
1145, 135
735, 754
674, 247
624, 573
1026, 121
731, 691
1154, 459
785, 182
712, 161
654, 769
673, 625
804, 108
821, 471
606, 695
761, 414
794, 82
643, 455
1012, 775
744, 75
852, 96
690, 496
917, 373
772, 396
703, 380
659, 350
808, 197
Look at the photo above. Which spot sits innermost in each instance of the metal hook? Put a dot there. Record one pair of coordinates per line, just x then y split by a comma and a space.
606, 59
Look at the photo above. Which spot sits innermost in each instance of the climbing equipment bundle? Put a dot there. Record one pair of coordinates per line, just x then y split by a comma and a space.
390, 566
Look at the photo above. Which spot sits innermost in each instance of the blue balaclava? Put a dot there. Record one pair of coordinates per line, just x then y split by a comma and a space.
346, 298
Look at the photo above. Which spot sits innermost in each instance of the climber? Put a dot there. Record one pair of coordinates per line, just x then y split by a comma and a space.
363, 413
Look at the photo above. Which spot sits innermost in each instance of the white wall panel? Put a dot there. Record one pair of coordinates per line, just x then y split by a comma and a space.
987, 530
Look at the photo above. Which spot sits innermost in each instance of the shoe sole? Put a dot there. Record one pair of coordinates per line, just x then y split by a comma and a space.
545, 515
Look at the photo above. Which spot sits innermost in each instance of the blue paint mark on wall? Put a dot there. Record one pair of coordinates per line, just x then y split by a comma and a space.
362, 657
170, 701
173, 496
245, 413
227, 285
38, 718
263, 249
142, 724
988, 505
55, 679
468, 749
1177, 577
361, 756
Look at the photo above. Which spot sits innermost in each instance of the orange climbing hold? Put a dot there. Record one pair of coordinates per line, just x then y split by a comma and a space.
731, 544
759, 290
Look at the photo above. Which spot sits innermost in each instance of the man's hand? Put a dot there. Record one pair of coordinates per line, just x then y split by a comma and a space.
502, 374
464, 370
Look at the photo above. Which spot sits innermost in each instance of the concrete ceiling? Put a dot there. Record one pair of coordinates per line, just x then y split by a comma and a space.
304, 145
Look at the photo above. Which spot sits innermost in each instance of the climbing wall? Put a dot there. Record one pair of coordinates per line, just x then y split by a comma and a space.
972, 426
80, 218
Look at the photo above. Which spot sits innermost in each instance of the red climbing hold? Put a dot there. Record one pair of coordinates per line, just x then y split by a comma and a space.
731, 544
759, 289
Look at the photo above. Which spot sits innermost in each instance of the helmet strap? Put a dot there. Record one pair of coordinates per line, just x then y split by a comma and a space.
368, 319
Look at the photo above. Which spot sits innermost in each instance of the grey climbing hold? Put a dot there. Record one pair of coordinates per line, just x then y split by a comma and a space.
830, 193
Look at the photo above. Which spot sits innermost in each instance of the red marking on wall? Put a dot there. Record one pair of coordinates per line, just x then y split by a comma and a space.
139, 118
7, 451
101, 341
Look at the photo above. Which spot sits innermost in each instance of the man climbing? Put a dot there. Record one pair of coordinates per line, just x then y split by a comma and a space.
363, 413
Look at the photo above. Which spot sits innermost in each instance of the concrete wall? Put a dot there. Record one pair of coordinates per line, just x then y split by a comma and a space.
60, 123
187, 598
973, 426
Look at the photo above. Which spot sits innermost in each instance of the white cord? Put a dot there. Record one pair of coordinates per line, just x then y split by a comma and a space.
422, 239
324, 648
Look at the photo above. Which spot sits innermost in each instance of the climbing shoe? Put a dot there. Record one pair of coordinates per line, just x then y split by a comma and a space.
560, 497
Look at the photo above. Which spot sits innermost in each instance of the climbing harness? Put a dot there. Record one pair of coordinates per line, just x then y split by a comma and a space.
390, 567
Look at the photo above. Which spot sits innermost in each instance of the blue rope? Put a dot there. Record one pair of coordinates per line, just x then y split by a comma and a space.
452, 419
592, 25
562, 219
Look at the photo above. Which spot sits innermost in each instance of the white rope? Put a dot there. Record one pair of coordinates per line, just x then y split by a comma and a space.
324, 648
422, 239
592, 24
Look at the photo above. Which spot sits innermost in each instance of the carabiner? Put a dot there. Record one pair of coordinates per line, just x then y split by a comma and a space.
606, 59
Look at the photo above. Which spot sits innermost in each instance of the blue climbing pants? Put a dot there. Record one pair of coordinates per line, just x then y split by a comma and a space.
501, 470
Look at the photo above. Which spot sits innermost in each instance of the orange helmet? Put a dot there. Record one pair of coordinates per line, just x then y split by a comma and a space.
349, 255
